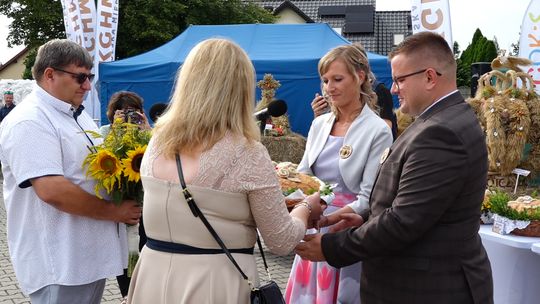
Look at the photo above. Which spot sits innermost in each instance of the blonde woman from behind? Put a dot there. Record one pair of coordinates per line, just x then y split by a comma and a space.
210, 125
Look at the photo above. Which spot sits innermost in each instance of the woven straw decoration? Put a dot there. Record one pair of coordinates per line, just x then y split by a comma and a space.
532, 162
507, 120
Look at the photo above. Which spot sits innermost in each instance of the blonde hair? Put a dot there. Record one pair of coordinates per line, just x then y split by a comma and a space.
214, 94
355, 59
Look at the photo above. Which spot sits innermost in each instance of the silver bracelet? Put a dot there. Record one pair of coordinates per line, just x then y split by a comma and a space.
304, 203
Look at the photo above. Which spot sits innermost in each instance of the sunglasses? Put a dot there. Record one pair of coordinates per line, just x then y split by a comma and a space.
79, 77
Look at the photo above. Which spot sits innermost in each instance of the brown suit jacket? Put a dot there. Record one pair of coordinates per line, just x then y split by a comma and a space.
420, 241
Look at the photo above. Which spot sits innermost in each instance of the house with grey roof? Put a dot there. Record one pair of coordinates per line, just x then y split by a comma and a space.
356, 20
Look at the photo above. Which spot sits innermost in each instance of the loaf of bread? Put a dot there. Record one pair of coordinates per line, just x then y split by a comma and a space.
525, 203
291, 180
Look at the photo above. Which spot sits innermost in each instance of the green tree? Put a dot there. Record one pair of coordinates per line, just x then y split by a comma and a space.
456, 49
34, 22
143, 24
480, 50
29, 62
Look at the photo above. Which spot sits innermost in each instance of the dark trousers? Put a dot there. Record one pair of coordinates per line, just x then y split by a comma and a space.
123, 280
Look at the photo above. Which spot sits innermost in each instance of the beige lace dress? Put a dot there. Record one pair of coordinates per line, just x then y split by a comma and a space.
238, 191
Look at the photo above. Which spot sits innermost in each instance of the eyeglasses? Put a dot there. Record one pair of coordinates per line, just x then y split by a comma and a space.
79, 77
402, 78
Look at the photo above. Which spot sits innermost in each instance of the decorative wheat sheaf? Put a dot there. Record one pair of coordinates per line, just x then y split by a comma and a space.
508, 110
532, 161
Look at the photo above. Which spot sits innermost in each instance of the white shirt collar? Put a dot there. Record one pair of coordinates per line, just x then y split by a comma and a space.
54, 102
437, 102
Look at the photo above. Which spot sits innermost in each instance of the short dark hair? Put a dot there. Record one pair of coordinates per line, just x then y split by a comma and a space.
122, 99
60, 53
425, 44
156, 110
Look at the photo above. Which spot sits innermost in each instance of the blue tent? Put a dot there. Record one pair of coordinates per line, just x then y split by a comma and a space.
290, 52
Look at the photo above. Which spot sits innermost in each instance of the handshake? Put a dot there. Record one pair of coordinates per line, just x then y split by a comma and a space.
339, 220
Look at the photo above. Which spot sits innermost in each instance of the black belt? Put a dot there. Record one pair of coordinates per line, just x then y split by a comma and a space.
186, 249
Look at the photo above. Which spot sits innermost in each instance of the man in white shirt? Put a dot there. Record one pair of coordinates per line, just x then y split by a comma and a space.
63, 240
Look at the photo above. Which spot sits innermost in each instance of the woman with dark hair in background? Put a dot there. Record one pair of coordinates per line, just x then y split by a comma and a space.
128, 107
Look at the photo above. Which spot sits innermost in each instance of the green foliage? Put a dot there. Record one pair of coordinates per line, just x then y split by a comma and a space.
326, 190
289, 191
456, 49
480, 50
147, 24
28, 63
499, 206
477, 35
34, 22
143, 24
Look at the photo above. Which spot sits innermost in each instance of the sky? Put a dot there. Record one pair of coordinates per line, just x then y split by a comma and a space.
495, 18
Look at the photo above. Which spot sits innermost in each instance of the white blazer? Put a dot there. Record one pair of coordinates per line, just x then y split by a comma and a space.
368, 136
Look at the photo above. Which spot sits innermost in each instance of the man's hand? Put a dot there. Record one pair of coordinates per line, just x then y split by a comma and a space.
347, 220
311, 248
128, 212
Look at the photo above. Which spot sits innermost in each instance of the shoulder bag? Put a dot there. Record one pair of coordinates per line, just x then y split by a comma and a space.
268, 293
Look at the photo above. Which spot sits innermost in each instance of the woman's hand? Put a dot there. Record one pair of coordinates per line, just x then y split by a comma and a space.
347, 220
119, 114
334, 217
317, 209
144, 121
319, 105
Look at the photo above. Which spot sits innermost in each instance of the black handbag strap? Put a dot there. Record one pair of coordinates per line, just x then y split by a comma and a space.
197, 213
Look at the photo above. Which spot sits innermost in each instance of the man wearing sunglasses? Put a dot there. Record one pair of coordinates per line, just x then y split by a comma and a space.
63, 240
419, 239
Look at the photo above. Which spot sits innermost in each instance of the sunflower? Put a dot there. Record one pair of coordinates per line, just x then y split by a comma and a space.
132, 163
106, 168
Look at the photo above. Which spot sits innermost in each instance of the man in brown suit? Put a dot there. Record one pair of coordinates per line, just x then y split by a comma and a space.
419, 240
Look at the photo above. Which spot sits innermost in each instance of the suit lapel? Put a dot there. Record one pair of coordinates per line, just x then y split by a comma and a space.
448, 101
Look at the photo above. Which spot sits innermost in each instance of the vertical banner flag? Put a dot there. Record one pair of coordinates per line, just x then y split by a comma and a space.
96, 32
432, 16
529, 41
88, 17
72, 21
107, 20
87, 13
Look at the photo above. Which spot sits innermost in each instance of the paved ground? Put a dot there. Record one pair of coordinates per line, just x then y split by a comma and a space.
10, 292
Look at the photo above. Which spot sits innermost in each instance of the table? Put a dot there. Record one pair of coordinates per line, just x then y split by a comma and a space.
515, 266
536, 248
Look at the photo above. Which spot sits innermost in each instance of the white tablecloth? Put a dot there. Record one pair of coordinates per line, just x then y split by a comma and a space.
516, 268
536, 248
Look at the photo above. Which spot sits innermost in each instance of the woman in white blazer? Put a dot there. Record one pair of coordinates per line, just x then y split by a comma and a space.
343, 147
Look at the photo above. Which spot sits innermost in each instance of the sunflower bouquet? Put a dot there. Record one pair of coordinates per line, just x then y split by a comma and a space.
115, 165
